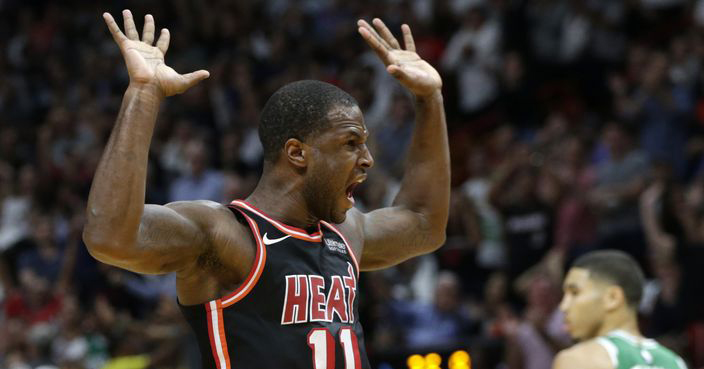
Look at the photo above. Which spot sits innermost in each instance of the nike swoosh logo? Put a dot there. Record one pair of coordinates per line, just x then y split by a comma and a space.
268, 241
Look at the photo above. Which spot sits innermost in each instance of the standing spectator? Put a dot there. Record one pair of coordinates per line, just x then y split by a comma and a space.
528, 218
472, 54
620, 180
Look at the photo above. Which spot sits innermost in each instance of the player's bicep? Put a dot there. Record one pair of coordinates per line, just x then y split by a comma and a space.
168, 237
392, 235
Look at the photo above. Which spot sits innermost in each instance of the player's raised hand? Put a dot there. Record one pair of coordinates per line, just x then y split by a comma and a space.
145, 62
413, 72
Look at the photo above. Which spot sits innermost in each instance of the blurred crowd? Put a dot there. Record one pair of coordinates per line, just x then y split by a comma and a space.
574, 125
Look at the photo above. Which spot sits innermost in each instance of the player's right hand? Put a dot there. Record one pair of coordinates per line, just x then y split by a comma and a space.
145, 63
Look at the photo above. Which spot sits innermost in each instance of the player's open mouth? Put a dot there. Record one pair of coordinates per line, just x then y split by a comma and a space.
350, 191
351, 188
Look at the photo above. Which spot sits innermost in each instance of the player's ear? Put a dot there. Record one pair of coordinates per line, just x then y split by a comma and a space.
614, 298
296, 152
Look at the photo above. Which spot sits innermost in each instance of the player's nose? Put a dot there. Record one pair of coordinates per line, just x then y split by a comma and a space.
366, 160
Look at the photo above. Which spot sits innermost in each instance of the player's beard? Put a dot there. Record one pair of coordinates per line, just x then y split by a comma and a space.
322, 198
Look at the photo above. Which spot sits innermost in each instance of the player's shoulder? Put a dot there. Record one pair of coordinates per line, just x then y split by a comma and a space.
589, 354
209, 214
196, 205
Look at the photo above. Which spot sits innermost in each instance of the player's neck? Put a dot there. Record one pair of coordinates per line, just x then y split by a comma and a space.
622, 320
280, 197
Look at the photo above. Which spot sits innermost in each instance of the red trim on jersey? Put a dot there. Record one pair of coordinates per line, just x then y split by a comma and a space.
216, 334
349, 248
293, 231
256, 270
223, 337
210, 334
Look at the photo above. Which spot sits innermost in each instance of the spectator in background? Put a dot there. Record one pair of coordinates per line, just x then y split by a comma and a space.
442, 324
528, 217
201, 181
472, 55
660, 109
620, 180
575, 228
394, 135
534, 339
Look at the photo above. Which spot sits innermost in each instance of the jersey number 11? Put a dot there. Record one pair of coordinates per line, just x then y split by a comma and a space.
322, 344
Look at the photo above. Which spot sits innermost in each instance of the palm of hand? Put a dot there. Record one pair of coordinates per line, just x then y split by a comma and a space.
145, 63
422, 78
406, 65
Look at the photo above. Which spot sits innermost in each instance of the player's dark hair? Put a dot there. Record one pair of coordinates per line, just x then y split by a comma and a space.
617, 267
298, 110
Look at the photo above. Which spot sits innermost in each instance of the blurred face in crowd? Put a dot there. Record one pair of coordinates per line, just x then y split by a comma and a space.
337, 160
583, 304
615, 140
524, 184
197, 157
655, 72
447, 293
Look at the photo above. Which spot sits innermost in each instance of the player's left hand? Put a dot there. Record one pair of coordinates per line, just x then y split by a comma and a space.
413, 72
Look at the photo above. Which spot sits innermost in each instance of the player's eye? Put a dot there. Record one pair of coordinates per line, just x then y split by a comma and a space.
351, 143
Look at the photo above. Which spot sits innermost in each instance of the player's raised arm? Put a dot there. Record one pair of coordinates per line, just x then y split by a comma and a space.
120, 229
416, 222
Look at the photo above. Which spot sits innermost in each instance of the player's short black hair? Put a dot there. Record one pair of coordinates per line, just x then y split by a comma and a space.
298, 110
617, 267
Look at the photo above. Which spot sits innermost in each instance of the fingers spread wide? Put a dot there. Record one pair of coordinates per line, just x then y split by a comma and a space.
191, 79
376, 45
363, 24
408, 38
163, 42
117, 35
148, 31
386, 33
130, 28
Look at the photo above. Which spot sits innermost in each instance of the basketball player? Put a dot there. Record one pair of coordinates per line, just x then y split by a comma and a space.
272, 281
601, 294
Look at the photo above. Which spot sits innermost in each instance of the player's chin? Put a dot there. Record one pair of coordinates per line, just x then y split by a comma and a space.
339, 218
339, 215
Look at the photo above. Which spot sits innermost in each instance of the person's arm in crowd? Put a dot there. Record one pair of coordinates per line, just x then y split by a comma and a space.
415, 223
454, 52
605, 196
659, 241
501, 176
120, 229
68, 262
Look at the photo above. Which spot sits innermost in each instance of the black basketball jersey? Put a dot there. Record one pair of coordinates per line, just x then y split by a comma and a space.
297, 309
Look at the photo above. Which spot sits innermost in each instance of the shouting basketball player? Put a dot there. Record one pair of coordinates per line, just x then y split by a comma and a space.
272, 281
601, 295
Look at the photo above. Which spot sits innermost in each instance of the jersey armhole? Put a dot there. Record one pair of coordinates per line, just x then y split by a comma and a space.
610, 349
257, 266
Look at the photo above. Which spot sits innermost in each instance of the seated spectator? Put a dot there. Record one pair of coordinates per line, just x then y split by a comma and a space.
202, 182
441, 324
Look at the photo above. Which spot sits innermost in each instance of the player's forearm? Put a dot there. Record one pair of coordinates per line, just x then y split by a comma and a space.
116, 199
425, 187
